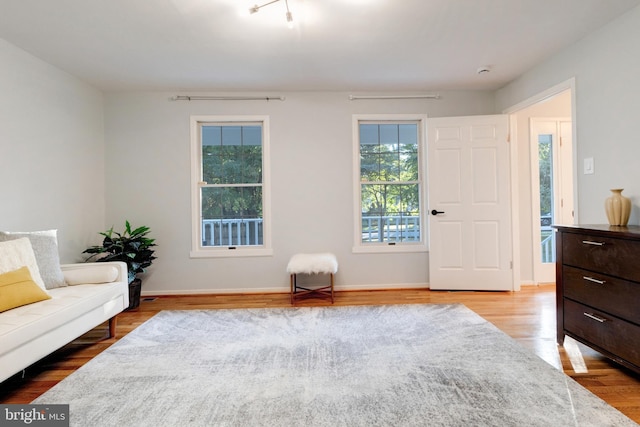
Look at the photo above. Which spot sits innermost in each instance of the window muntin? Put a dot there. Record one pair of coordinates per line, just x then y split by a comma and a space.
230, 195
231, 154
389, 183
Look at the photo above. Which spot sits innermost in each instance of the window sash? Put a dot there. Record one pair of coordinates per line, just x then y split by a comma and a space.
388, 153
230, 196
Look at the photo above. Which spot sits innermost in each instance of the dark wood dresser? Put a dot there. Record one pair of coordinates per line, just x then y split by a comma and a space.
598, 289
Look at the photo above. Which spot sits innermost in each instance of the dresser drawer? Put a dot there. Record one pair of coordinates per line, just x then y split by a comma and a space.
603, 330
610, 256
609, 294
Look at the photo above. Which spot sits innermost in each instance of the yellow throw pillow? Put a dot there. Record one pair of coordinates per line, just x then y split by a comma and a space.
17, 288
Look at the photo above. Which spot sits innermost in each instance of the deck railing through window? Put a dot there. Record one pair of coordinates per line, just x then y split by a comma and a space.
390, 228
232, 232
248, 231
548, 245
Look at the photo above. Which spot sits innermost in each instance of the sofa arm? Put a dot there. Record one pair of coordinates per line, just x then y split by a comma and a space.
95, 272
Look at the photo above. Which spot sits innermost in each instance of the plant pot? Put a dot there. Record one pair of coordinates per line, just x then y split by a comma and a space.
134, 294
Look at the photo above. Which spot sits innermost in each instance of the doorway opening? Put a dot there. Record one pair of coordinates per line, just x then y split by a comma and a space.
543, 176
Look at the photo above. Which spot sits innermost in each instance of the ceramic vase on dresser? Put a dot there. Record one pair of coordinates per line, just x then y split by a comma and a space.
618, 208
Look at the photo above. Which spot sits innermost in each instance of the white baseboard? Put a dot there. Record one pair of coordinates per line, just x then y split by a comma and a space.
383, 287
534, 284
285, 290
282, 289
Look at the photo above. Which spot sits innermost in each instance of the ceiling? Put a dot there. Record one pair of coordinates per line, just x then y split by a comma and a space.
335, 45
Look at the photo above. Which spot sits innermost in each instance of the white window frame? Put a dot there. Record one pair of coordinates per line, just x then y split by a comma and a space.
199, 251
387, 247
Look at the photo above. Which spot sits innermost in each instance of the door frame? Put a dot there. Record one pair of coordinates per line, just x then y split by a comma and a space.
569, 84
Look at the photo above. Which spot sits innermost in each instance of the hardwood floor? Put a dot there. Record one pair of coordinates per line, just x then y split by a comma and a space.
527, 316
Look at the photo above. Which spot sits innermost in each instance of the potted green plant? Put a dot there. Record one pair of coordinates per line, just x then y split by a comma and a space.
132, 247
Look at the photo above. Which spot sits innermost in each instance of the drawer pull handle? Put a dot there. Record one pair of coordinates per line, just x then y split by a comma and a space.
590, 242
591, 279
594, 317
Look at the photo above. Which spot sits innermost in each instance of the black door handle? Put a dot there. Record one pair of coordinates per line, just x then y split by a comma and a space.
435, 212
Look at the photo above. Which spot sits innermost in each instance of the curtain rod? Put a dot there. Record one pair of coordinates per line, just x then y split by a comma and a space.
360, 97
227, 98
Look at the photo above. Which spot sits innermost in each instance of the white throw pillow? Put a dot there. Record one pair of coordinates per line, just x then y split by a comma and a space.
18, 253
45, 248
84, 275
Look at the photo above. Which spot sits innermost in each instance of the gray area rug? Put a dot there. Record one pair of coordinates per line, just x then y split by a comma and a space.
400, 365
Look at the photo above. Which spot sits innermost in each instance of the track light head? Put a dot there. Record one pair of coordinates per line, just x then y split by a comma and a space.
256, 8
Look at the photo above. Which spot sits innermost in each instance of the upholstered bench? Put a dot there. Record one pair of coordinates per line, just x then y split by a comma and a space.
319, 263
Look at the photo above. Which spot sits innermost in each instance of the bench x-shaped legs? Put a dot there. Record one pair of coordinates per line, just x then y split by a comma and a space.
298, 291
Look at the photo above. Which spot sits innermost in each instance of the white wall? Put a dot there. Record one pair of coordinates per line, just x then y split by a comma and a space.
148, 167
51, 152
606, 66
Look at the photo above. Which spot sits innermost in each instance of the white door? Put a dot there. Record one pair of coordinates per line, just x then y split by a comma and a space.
551, 189
469, 203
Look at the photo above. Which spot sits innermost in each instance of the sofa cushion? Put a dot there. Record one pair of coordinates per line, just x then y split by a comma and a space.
17, 288
30, 322
19, 253
45, 248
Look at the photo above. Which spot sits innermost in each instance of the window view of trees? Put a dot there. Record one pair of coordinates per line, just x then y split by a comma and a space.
389, 188
545, 157
231, 199
545, 167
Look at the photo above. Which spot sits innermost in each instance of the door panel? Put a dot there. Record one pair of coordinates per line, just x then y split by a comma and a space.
486, 246
468, 170
450, 246
449, 190
484, 167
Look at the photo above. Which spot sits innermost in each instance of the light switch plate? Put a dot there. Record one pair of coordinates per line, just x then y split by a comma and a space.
588, 166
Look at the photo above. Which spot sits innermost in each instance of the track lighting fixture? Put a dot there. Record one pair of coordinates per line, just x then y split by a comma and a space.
256, 8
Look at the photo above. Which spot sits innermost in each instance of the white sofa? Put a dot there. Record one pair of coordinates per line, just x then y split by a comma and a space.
95, 293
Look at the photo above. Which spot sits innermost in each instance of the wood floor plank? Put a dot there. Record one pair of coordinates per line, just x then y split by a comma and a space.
528, 316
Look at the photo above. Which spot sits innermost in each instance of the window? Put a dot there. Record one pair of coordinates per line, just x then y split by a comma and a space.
389, 186
230, 190
546, 177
